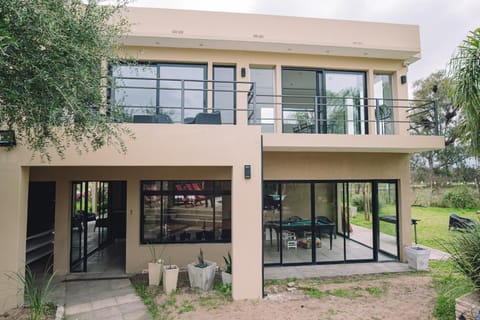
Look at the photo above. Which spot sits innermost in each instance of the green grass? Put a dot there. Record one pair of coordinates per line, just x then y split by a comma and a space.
432, 229
449, 285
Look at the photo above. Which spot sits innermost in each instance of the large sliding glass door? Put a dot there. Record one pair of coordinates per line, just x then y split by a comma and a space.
330, 222
322, 101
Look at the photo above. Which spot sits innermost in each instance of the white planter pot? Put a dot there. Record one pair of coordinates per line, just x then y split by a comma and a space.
226, 278
417, 257
170, 278
154, 273
202, 277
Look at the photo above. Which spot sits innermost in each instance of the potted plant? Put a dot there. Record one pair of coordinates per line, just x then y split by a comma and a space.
170, 278
154, 268
202, 273
227, 273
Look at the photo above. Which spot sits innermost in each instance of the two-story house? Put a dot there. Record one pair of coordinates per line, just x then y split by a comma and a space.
282, 140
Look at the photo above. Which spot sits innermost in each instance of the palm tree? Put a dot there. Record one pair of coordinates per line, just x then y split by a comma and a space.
465, 75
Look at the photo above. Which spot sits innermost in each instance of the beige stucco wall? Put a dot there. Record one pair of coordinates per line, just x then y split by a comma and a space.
13, 229
195, 152
186, 28
347, 166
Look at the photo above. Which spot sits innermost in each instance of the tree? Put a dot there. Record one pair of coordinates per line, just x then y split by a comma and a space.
464, 71
433, 165
53, 56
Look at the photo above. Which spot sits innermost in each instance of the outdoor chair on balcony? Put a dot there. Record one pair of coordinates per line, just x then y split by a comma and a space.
152, 118
205, 118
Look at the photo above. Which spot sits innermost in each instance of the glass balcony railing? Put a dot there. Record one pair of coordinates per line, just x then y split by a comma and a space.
160, 100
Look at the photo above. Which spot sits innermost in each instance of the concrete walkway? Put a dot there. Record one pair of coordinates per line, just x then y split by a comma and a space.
346, 269
99, 299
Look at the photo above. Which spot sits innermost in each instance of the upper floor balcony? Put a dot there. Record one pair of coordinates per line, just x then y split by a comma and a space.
346, 120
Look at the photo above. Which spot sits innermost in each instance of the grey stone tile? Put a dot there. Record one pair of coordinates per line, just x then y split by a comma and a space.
78, 308
132, 307
127, 298
104, 303
137, 315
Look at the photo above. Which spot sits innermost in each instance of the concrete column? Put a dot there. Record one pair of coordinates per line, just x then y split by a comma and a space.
63, 196
13, 230
405, 236
246, 233
133, 225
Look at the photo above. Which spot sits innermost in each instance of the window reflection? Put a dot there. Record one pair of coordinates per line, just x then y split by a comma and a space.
186, 211
139, 91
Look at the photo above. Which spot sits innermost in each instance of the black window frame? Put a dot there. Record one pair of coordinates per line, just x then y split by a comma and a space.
157, 65
209, 193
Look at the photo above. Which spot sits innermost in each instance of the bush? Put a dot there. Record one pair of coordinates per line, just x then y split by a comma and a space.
464, 248
461, 197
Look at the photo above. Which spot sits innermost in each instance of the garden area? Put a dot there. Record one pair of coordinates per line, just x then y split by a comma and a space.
412, 295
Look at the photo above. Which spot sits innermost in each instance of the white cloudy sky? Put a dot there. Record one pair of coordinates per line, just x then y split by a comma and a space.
443, 23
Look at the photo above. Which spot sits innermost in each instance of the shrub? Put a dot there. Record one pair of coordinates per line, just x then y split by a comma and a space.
461, 197
464, 248
36, 289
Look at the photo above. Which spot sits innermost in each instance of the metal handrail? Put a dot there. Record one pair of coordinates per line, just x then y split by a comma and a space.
353, 114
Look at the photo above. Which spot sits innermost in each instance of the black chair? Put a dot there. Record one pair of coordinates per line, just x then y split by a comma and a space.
152, 118
143, 118
458, 222
205, 118
162, 118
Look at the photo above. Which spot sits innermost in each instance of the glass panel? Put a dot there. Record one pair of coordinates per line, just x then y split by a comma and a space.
299, 90
296, 223
186, 211
224, 93
271, 215
136, 96
329, 246
177, 103
358, 217
264, 79
382, 89
388, 220
345, 106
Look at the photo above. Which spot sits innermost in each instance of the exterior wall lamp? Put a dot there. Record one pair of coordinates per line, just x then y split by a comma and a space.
7, 138
247, 171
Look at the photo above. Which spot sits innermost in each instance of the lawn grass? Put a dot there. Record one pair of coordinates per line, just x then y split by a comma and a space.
432, 229
449, 285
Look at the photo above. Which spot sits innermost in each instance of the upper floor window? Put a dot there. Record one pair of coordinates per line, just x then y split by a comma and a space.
185, 211
264, 79
174, 91
224, 96
319, 101
382, 88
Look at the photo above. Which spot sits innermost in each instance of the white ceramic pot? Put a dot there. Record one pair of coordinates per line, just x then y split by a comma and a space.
154, 273
170, 278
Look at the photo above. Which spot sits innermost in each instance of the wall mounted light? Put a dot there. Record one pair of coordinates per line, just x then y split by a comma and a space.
7, 138
247, 171
403, 79
243, 72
